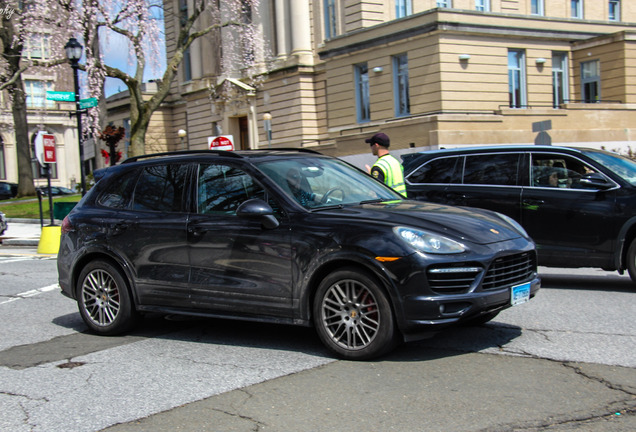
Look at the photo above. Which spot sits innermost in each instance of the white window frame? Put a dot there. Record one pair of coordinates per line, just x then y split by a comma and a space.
445, 3
590, 74
330, 15
614, 10
403, 8
517, 77
482, 5
363, 92
38, 46
35, 92
576, 8
560, 80
401, 85
537, 7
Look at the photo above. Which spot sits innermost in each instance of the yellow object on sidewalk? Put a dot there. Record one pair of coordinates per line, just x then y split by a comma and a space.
50, 240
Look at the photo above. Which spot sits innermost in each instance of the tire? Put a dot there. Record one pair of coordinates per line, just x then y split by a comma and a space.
631, 260
353, 316
104, 300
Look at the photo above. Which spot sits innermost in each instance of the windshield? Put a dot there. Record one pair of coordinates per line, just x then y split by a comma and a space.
623, 167
321, 182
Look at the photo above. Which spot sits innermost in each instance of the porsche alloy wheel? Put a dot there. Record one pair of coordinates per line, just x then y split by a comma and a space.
353, 316
103, 299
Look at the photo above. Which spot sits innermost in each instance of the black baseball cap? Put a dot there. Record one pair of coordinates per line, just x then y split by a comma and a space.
379, 138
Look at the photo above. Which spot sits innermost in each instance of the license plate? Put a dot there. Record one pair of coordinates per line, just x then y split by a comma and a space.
520, 294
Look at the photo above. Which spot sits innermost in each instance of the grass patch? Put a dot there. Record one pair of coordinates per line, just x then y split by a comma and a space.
29, 208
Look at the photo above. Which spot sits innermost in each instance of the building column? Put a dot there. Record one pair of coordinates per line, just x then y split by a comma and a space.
301, 31
282, 47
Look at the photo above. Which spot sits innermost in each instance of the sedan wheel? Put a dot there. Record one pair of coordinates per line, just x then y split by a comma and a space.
353, 316
103, 299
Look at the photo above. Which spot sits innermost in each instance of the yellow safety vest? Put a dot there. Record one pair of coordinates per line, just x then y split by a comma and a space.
393, 173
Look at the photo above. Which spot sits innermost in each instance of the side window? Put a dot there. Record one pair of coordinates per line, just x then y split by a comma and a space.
436, 171
161, 188
222, 188
492, 169
117, 194
558, 171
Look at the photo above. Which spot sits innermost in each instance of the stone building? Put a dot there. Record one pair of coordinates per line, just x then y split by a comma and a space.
43, 114
428, 73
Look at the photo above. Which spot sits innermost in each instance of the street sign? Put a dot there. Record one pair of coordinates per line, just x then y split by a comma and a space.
60, 96
48, 142
45, 147
223, 142
88, 103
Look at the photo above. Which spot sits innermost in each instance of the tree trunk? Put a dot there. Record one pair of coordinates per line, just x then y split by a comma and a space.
22, 142
12, 53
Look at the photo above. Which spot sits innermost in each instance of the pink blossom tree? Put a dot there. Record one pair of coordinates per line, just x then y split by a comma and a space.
138, 22
21, 21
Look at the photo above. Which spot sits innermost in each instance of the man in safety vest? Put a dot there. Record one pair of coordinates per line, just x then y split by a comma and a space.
387, 169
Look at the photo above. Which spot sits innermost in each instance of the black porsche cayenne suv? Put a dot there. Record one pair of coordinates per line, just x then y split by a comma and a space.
289, 237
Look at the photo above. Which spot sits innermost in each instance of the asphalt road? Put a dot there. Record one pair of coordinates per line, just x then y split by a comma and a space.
563, 361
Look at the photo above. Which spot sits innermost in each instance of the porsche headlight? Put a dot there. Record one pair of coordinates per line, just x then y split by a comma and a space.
428, 242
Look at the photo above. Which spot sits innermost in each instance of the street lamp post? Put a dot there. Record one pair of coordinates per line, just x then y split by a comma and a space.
74, 52
182, 134
267, 117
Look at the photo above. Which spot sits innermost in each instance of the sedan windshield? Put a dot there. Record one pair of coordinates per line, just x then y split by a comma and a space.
318, 183
623, 167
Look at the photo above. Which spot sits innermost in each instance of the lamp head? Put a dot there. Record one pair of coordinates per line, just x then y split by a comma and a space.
73, 50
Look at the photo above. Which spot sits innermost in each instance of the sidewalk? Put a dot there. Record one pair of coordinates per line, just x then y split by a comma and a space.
23, 232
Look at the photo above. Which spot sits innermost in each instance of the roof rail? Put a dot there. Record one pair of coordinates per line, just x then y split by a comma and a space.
181, 153
298, 149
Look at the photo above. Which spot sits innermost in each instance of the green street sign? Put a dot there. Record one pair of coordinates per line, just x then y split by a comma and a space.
88, 103
60, 96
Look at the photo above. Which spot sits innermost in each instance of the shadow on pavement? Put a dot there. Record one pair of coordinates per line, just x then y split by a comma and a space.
281, 337
610, 282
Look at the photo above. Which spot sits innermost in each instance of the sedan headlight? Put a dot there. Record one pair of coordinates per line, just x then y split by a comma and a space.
516, 225
428, 242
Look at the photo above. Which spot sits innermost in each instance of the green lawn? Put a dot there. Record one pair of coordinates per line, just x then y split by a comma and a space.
30, 208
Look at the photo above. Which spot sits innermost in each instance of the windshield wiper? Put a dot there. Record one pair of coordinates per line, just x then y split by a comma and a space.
331, 207
372, 201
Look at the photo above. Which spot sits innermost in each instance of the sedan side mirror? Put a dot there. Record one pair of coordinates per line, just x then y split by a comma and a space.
258, 209
596, 180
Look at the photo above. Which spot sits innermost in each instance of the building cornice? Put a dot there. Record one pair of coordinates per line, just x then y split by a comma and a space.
468, 22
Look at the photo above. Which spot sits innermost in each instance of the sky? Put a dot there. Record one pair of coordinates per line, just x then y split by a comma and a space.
116, 54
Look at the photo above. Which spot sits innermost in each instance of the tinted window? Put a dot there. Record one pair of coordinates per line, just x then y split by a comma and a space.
556, 170
162, 188
117, 194
492, 169
436, 171
222, 188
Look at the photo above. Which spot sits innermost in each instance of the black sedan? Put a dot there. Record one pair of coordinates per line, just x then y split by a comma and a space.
56, 190
577, 204
288, 237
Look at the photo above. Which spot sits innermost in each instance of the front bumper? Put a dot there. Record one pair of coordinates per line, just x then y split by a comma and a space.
426, 315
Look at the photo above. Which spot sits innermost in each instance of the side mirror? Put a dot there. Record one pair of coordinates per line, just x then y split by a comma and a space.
258, 209
596, 180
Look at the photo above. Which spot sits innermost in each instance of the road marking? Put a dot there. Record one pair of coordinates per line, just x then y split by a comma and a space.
31, 293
